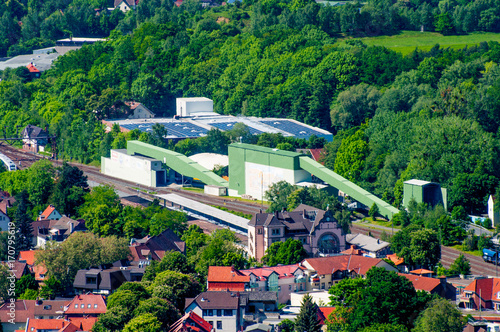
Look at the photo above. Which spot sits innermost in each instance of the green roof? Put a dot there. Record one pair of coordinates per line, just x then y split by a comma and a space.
265, 150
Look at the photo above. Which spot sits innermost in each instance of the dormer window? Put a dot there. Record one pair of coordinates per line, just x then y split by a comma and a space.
276, 231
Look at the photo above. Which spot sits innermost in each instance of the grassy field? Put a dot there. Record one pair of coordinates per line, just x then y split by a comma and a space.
407, 41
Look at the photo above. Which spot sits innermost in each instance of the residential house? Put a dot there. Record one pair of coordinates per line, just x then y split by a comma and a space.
28, 257
34, 139
5, 202
55, 230
399, 262
125, 5
153, 248
222, 278
34, 72
481, 293
259, 328
373, 247
219, 309
324, 314
50, 213
139, 111
50, 325
283, 279
493, 213
106, 279
85, 305
433, 286
318, 230
191, 322
49, 309
19, 268
23, 310
324, 272
232, 311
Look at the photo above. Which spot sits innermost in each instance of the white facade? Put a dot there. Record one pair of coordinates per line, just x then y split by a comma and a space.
141, 112
138, 169
321, 298
259, 178
492, 214
220, 323
215, 190
187, 106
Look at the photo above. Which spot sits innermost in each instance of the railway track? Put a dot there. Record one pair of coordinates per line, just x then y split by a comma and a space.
448, 255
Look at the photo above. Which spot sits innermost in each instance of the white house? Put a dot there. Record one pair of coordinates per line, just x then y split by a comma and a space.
139, 111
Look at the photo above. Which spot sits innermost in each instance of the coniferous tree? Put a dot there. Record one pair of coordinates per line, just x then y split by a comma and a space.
23, 221
307, 320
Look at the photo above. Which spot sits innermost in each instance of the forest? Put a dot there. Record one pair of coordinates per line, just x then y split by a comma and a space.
430, 115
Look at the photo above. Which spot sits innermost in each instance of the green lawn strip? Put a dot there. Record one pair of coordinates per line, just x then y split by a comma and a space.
239, 214
407, 41
474, 252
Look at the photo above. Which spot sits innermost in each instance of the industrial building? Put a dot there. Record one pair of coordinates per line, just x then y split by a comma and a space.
424, 192
195, 117
252, 170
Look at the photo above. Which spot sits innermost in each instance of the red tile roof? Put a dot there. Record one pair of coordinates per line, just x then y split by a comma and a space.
84, 323
32, 68
316, 154
325, 312
45, 214
422, 283
85, 305
18, 268
49, 324
488, 288
329, 265
226, 274
283, 271
191, 321
28, 256
24, 309
395, 259
352, 251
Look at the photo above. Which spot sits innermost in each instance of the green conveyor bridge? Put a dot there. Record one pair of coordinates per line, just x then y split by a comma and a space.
346, 186
176, 161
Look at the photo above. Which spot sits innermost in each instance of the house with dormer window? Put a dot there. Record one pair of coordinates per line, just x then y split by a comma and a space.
481, 294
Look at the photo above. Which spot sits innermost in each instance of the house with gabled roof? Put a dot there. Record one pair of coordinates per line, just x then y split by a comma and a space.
324, 272
34, 72
139, 111
191, 322
50, 325
85, 305
318, 230
222, 278
24, 310
125, 5
399, 262
481, 294
283, 279
437, 286
34, 139
154, 247
372, 247
50, 213
28, 256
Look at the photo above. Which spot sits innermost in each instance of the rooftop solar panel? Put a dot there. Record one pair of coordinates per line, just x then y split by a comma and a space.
178, 129
293, 128
224, 126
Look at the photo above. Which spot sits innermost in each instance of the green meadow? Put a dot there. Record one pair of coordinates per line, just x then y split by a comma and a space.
407, 41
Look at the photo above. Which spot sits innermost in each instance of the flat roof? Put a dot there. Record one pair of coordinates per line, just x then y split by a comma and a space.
42, 61
210, 160
194, 99
205, 209
81, 39
417, 182
265, 150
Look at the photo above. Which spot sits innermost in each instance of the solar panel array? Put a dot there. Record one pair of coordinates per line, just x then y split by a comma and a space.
178, 129
293, 128
225, 126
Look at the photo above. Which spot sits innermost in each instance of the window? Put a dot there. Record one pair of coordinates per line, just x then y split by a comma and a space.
219, 312
82, 306
259, 231
211, 323
210, 312
91, 280
76, 306
95, 306
289, 287
219, 325
322, 285
89, 306
228, 312
276, 231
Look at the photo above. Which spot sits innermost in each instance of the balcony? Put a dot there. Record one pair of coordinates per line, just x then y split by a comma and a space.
300, 279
